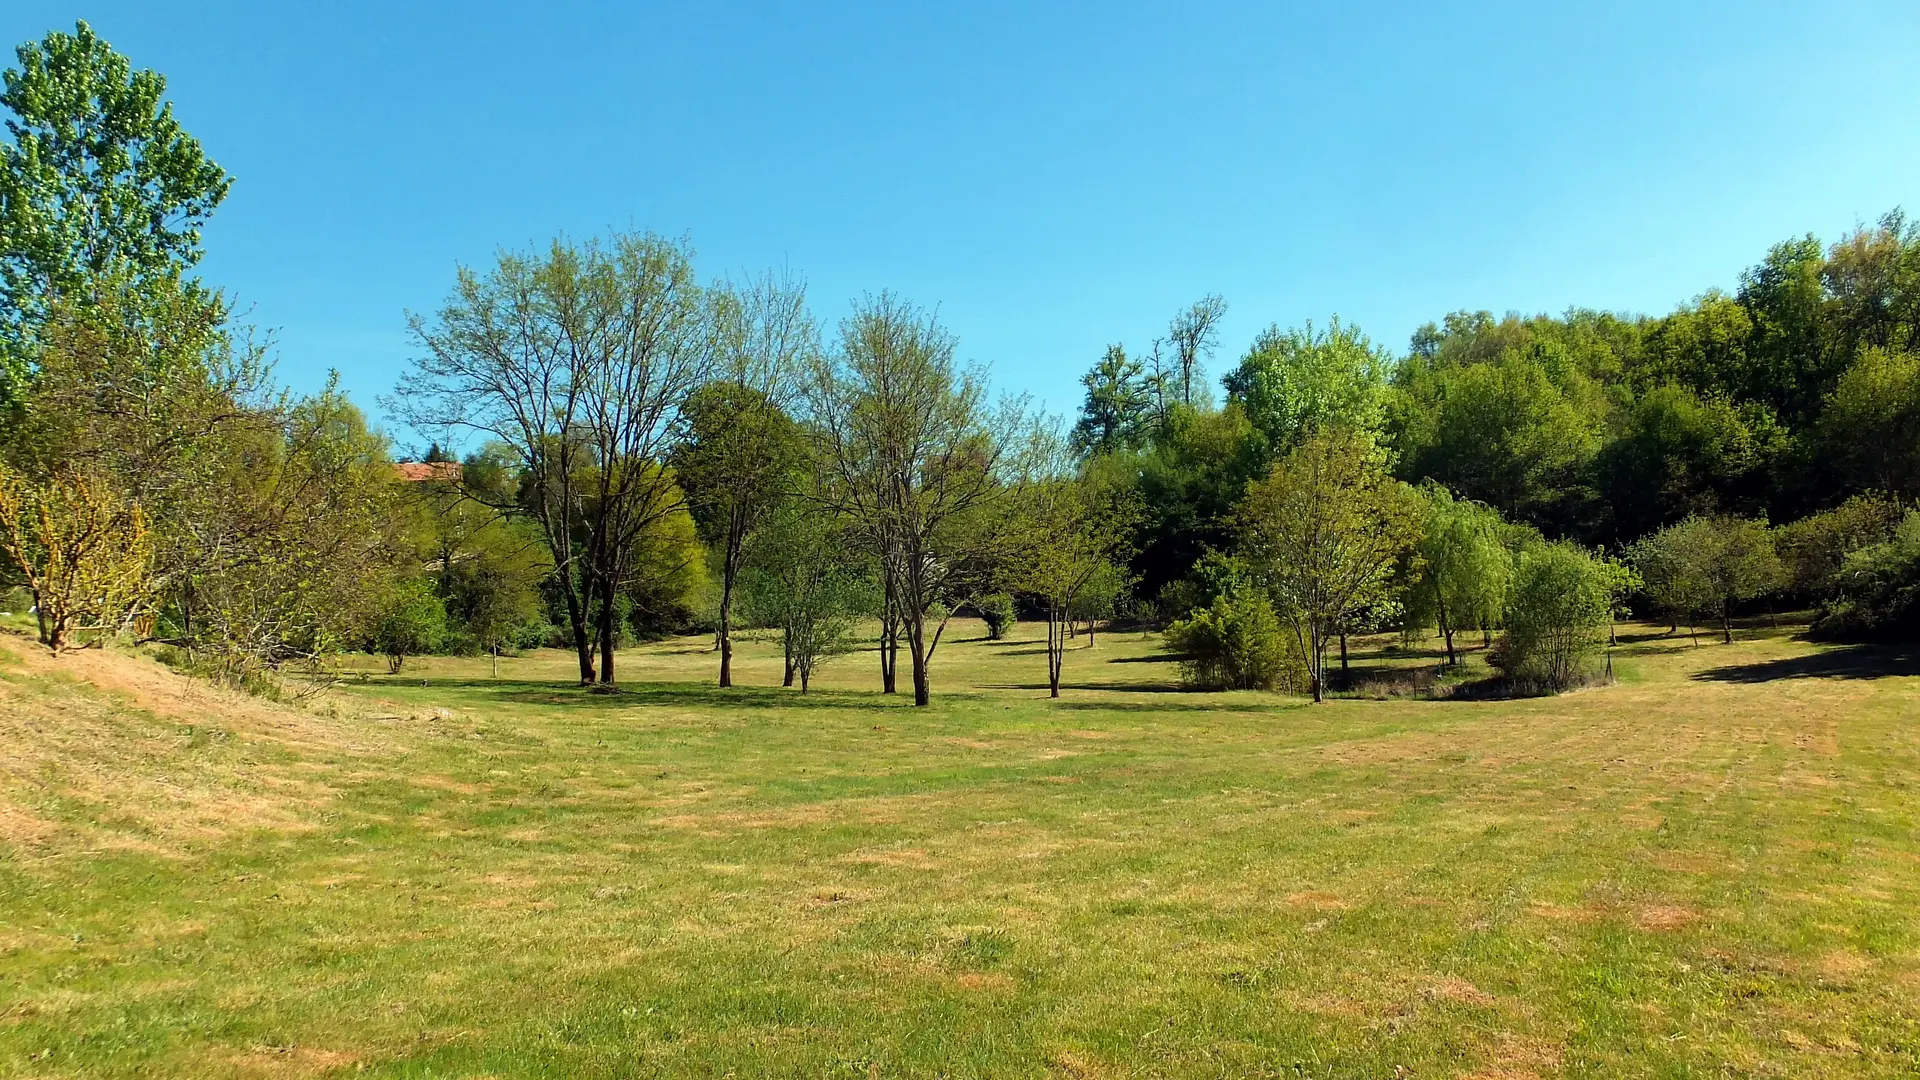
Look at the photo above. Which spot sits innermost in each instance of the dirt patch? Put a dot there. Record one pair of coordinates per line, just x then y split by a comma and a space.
910, 858
986, 981
1450, 988
1664, 917
1317, 901
293, 1061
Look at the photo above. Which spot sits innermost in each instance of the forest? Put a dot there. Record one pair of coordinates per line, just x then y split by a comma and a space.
613, 447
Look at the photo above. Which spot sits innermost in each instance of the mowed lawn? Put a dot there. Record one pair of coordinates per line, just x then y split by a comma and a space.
1709, 869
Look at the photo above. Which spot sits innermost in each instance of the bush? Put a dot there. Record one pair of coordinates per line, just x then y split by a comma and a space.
1236, 643
411, 622
997, 612
1877, 591
1557, 617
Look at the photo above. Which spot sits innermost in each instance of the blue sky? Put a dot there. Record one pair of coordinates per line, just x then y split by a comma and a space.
1052, 177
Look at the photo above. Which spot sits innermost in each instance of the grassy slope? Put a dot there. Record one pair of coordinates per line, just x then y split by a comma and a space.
1709, 869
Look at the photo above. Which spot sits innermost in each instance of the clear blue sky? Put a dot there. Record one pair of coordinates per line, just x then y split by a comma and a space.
1052, 177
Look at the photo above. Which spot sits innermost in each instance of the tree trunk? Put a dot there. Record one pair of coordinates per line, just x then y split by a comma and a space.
608, 615
916, 628
1090, 622
804, 674
1726, 626
786, 650
582, 636
496, 662
1057, 624
726, 630
1346, 673
1447, 633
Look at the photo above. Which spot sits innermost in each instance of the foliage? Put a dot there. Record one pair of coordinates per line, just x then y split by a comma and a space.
1814, 549
577, 361
1708, 565
84, 550
1116, 415
1461, 568
908, 451
1071, 530
1236, 643
1870, 427
1877, 591
998, 613
1557, 616
98, 182
1297, 381
797, 578
1322, 534
741, 450
409, 621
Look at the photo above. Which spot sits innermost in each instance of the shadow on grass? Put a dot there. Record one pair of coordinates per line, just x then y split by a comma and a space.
1150, 658
1844, 662
1117, 688
643, 694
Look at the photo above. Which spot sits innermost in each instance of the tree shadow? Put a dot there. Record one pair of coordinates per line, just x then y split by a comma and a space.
643, 694
1117, 688
1844, 662
1150, 658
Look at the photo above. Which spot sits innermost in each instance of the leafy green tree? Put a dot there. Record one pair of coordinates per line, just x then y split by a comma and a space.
410, 621
1322, 533
1814, 549
98, 182
738, 461
1462, 567
998, 613
1072, 530
1515, 433
1870, 427
798, 579
1118, 407
1710, 565
1683, 454
1295, 381
1191, 338
1877, 592
1236, 643
1558, 611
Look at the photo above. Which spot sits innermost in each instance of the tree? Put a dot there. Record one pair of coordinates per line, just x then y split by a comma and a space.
1119, 400
411, 620
1322, 532
1877, 592
488, 566
98, 182
1072, 530
84, 551
1814, 549
1712, 564
1192, 336
1669, 576
1296, 381
797, 578
1557, 613
1870, 426
909, 453
742, 448
579, 362
1461, 567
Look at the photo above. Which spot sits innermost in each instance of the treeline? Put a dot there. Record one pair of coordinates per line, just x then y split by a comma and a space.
646, 451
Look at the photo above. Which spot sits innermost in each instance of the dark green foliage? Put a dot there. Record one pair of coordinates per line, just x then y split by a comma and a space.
1877, 591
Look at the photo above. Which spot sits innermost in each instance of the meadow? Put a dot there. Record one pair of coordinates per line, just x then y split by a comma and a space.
1709, 868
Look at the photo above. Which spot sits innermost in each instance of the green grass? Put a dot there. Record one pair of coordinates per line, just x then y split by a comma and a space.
1708, 869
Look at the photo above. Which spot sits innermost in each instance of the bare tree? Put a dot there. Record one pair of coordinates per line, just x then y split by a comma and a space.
909, 451
579, 361
1192, 336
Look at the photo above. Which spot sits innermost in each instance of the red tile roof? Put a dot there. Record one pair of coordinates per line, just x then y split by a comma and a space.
414, 472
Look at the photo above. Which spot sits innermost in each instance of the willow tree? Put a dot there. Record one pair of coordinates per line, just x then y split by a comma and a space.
1462, 567
578, 360
909, 451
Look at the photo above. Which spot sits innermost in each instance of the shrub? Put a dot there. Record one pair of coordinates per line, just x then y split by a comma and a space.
411, 622
1557, 616
1236, 643
997, 612
1877, 591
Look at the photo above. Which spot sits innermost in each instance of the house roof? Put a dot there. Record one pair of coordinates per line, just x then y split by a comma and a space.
414, 472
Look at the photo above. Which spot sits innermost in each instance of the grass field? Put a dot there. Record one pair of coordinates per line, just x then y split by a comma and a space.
1709, 869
